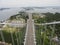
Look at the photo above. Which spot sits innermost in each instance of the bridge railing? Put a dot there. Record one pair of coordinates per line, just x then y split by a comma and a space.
47, 33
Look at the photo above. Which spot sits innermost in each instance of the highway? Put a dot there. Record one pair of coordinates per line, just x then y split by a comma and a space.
29, 37
50, 23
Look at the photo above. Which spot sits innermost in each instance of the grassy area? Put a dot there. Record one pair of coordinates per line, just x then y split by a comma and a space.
44, 35
22, 15
38, 18
13, 35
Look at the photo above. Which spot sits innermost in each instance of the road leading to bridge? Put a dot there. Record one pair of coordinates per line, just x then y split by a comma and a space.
30, 35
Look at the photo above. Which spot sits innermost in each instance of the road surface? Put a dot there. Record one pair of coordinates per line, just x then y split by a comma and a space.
30, 33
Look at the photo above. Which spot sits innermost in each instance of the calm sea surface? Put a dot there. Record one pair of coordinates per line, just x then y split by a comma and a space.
5, 14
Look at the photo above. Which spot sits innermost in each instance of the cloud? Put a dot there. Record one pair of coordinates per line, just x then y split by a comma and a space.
18, 3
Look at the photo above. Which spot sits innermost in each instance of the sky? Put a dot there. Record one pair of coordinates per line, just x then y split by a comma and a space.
26, 3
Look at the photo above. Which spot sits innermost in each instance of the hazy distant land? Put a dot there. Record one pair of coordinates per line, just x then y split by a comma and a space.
4, 9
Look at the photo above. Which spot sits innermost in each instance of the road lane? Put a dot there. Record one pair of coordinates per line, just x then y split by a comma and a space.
30, 34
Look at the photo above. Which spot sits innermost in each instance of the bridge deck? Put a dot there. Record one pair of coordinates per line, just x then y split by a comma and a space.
30, 32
